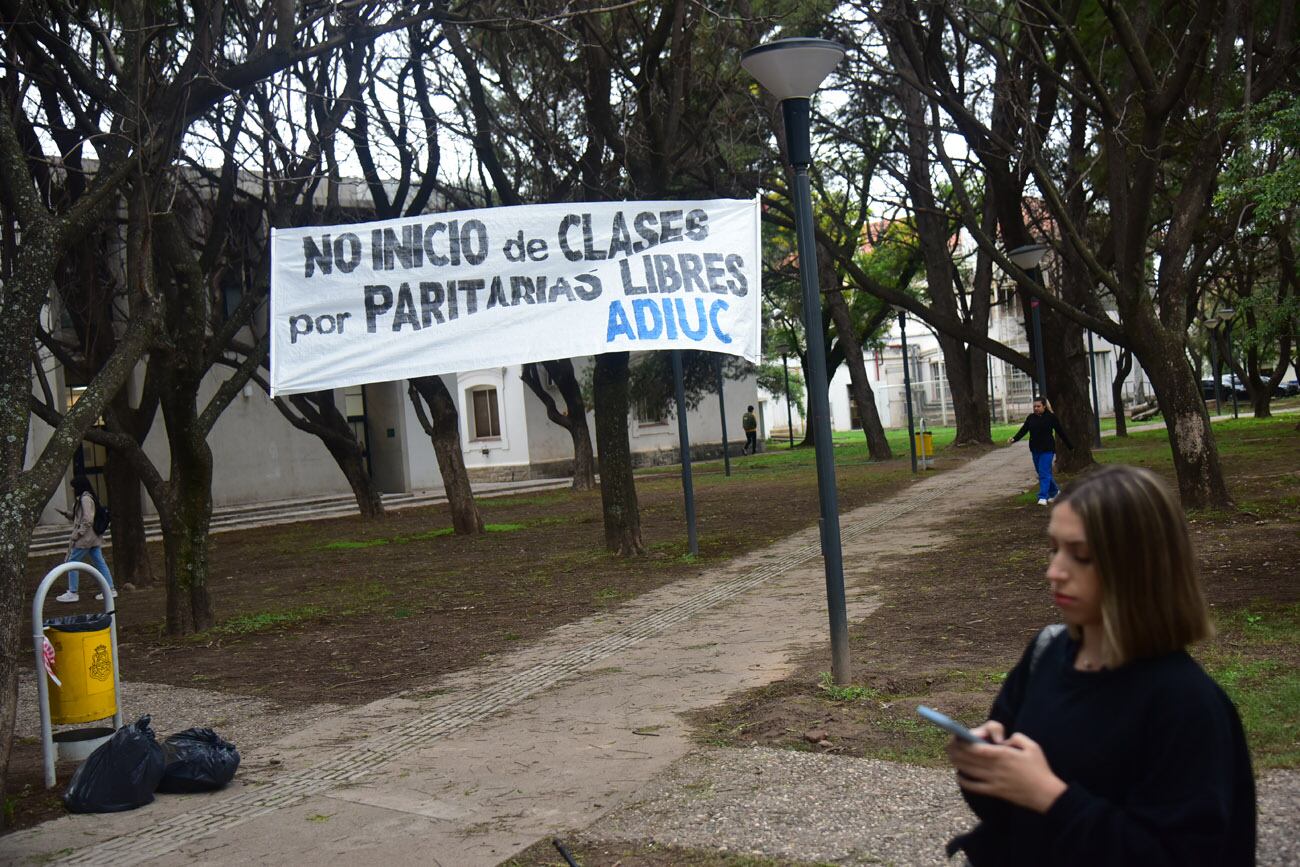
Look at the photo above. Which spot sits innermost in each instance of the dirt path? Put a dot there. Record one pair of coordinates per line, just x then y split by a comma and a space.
474, 766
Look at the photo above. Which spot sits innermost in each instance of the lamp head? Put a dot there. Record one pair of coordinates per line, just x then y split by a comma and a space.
1226, 313
1028, 256
792, 68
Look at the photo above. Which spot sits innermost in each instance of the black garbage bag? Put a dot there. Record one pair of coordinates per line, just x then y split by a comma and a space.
198, 760
121, 775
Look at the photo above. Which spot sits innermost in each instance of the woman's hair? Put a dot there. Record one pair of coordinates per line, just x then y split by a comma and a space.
81, 485
1151, 598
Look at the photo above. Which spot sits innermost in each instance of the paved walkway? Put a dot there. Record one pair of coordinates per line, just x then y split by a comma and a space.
581, 726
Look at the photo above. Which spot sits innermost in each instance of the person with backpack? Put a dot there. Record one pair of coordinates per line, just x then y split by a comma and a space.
750, 425
1108, 743
89, 524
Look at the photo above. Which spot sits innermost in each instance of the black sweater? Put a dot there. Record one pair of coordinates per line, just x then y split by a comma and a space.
1152, 753
1040, 429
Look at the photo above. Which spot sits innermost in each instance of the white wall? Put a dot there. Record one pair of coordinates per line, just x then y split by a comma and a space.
257, 456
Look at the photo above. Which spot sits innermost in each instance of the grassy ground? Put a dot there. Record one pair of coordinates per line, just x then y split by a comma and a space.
336, 597
948, 641
346, 610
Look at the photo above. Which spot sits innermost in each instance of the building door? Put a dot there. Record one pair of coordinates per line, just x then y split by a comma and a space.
354, 408
90, 459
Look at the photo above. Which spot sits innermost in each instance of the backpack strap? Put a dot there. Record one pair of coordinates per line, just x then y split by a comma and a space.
1045, 637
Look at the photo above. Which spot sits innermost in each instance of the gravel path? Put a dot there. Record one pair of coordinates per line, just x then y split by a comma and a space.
251, 724
816, 807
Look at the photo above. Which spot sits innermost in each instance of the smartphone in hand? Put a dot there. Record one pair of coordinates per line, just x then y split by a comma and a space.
950, 725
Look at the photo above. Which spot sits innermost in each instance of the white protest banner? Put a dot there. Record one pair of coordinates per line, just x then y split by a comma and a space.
441, 293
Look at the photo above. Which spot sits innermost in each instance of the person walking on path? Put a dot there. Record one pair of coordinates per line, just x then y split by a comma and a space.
1040, 425
85, 546
750, 424
1108, 743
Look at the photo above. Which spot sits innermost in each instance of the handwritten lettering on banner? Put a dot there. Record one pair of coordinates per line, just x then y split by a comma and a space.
441, 293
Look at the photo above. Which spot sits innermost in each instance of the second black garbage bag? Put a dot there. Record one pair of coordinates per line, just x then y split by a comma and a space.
121, 775
198, 760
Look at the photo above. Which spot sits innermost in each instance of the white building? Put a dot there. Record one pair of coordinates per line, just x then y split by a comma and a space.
1010, 390
505, 435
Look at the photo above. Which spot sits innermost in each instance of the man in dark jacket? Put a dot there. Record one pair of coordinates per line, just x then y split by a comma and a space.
1042, 446
750, 424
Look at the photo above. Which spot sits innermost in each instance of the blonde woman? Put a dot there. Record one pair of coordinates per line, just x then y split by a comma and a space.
1109, 743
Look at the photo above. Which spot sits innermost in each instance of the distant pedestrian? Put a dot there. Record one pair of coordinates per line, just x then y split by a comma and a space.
1040, 426
750, 424
85, 545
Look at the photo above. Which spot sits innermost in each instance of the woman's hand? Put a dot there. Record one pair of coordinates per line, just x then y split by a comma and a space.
1013, 769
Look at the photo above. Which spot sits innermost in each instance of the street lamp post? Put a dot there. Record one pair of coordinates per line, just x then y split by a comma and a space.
907, 388
722, 413
1096, 405
785, 369
1026, 258
1210, 323
1226, 317
789, 411
792, 70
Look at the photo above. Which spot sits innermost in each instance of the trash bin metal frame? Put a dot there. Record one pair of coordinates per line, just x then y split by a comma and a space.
38, 636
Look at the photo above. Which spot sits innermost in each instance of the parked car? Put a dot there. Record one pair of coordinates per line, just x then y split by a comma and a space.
1227, 383
1289, 387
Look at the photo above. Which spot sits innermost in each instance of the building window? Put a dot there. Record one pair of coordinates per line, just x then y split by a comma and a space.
650, 416
354, 409
486, 417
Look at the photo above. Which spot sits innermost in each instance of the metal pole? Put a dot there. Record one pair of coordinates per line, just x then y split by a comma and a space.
789, 412
1038, 339
907, 389
1096, 407
992, 412
1214, 370
798, 135
722, 413
1233, 371
684, 442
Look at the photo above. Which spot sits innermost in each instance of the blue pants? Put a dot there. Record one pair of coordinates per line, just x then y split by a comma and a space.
1047, 488
93, 556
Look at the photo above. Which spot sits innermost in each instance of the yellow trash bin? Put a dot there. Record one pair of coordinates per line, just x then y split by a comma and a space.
83, 662
924, 445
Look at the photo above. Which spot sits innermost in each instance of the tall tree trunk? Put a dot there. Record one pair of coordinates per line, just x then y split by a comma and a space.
1195, 454
130, 547
934, 232
1066, 359
17, 520
189, 503
318, 414
877, 445
442, 424
573, 419
1122, 370
617, 484
967, 376
351, 461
